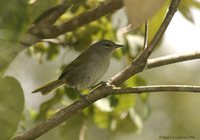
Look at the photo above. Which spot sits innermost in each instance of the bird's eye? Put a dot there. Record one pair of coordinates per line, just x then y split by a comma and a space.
107, 44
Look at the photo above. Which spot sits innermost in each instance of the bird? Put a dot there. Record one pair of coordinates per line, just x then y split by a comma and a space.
85, 70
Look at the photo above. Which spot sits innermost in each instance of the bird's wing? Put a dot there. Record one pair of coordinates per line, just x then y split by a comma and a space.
82, 59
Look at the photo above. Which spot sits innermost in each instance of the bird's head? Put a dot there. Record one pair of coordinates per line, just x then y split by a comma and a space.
106, 45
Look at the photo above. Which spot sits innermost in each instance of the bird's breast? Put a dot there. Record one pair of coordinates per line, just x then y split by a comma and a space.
95, 69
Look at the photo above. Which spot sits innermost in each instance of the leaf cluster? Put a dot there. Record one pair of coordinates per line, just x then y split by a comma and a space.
115, 113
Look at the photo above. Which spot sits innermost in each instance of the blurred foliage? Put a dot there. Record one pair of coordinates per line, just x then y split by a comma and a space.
77, 123
14, 20
185, 8
115, 113
11, 106
46, 106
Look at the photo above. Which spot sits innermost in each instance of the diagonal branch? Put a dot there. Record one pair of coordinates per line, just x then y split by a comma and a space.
84, 18
43, 27
172, 10
79, 105
102, 91
140, 62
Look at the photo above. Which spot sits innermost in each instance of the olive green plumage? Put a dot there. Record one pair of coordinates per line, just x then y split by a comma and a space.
86, 69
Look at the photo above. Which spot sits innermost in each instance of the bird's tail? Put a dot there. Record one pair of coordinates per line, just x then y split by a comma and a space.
49, 87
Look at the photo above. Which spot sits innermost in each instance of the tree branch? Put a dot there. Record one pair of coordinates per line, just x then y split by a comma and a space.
79, 105
146, 31
87, 17
102, 91
171, 59
156, 88
140, 62
43, 27
43, 22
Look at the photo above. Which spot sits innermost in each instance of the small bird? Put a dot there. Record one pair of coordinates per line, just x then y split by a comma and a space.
84, 71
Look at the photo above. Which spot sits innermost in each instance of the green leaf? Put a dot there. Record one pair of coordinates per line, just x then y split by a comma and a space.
46, 106
14, 20
52, 51
11, 106
184, 8
125, 102
113, 101
82, 37
131, 122
139, 81
135, 81
155, 21
70, 92
72, 127
146, 111
138, 11
101, 118
195, 3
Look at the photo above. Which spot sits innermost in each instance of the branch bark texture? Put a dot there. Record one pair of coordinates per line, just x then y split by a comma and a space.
137, 65
43, 28
140, 62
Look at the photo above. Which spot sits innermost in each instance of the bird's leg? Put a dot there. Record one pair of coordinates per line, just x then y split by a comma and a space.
78, 93
98, 84
108, 84
81, 95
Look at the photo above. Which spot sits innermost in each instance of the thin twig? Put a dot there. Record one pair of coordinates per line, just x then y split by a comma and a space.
172, 10
102, 91
43, 27
79, 105
156, 88
80, 20
171, 59
146, 30
140, 62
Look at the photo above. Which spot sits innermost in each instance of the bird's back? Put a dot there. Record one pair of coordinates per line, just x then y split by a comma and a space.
86, 69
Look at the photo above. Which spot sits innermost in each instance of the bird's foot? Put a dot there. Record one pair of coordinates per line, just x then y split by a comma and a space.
81, 96
99, 84
108, 84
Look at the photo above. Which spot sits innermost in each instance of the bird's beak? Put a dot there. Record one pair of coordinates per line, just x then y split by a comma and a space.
118, 46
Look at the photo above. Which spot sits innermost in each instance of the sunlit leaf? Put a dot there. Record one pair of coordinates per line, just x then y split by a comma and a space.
52, 51
11, 106
129, 122
82, 37
136, 119
139, 11
139, 81
195, 3
185, 9
135, 81
103, 105
156, 20
101, 118
125, 102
